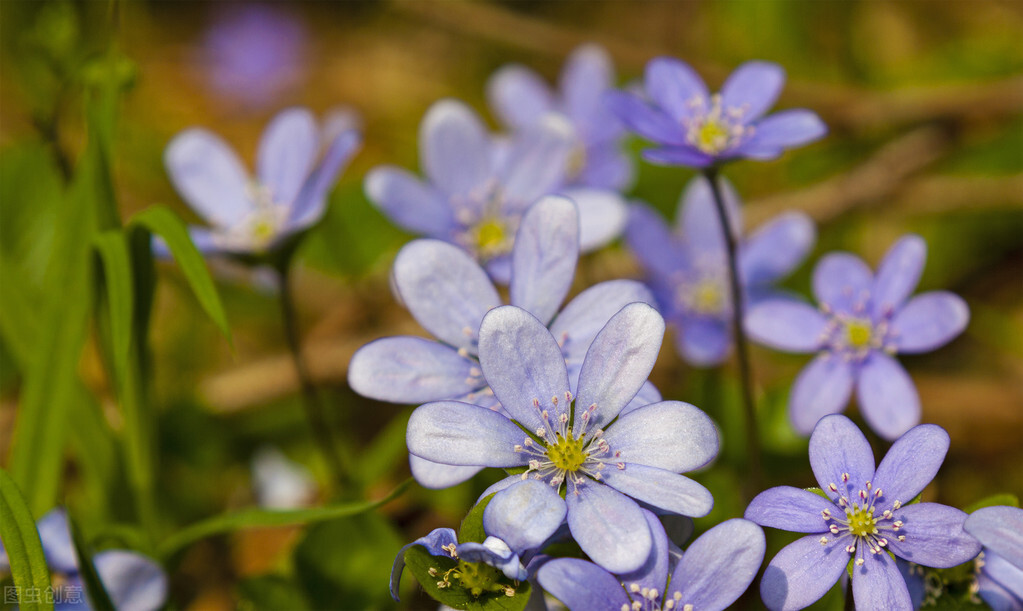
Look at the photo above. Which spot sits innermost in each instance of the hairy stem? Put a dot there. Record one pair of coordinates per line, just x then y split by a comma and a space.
739, 335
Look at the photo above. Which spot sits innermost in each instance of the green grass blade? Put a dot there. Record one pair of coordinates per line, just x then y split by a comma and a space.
24, 550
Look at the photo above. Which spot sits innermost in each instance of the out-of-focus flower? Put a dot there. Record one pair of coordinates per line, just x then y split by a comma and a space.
478, 186
448, 293
1000, 566
280, 483
478, 563
521, 99
694, 128
132, 581
604, 458
862, 322
252, 53
687, 267
711, 575
254, 214
862, 518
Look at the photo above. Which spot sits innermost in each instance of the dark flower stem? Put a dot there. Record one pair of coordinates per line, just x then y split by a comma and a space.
315, 414
741, 344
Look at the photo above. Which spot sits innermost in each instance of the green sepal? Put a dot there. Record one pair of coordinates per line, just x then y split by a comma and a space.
1004, 498
419, 562
471, 528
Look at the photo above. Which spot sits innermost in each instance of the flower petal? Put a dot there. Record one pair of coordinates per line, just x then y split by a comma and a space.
446, 291
674, 86
929, 321
525, 514
411, 370
652, 242
670, 435
699, 223
842, 281
888, 399
1001, 583
837, 449
454, 148
999, 528
581, 585
607, 167
786, 324
647, 394
580, 321
618, 362
683, 155
822, 388
287, 151
788, 508
644, 119
898, 274
801, 573
410, 203
608, 526
703, 341
55, 536
662, 489
753, 87
654, 572
311, 202
132, 580
536, 162
912, 462
466, 435
776, 248
782, 130
934, 536
878, 584
523, 363
588, 73
496, 553
518, 96
500, 485
437, 476
544, 256
602, 215
719, 566
209, 176
434, 544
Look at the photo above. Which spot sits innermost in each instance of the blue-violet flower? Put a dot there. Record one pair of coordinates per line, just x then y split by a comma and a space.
582, 441
862, 322
1000, 566
864, 519
687, 267
521, 99
693, 128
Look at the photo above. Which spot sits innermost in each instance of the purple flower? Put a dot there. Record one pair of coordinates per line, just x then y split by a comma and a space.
253, 214
712, 574
696, 129
493, 552
253, 52
279, 482
521, 99
449, 293
1000, 566
131, 580
862, 518
582, 441
688, 267
479, 186
863, 321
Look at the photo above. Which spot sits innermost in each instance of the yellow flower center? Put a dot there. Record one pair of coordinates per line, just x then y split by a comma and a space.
576, 161
708, 298
861, 521
566, 453
478, 577
712, 136
859, 333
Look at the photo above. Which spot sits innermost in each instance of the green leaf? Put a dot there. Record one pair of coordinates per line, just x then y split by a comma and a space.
471, 528
164, 223
1003, 498
419, 562
818, 492
266, 518
116, 276
94, 588
21, 541
270, 593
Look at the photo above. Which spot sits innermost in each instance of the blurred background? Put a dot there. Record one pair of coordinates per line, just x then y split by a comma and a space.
924, 101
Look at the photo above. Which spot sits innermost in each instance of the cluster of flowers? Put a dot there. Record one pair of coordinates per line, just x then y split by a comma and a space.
559, 397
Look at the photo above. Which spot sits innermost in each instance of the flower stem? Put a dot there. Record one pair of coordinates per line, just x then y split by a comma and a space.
739, 333
315, 414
